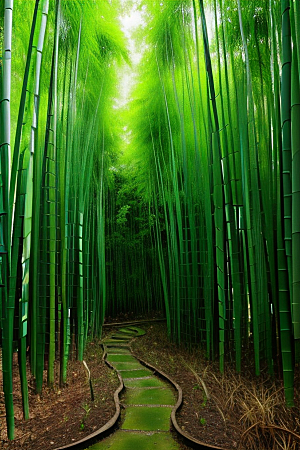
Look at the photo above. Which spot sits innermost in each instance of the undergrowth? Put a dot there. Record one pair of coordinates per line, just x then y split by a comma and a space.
252, 407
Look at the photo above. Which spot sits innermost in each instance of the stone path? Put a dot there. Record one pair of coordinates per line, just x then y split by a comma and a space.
148, 401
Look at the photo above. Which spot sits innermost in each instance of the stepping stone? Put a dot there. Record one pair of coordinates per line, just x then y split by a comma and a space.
124, 440
134, 331
135, 373
116, 341
120, 358
122, 336
148, 400
155, 418
118, 350
148, 382
128, 331
126, 365
139, 331
149, 397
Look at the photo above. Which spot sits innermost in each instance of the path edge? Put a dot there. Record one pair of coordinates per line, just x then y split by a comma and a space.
190, 440
106, 429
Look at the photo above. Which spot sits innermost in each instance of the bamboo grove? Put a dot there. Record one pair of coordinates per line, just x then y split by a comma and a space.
194, 209
55, 120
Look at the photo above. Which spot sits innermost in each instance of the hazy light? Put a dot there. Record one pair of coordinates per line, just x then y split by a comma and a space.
129, 23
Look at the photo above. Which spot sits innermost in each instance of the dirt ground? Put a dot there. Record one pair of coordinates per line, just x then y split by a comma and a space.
63, 415
227, 410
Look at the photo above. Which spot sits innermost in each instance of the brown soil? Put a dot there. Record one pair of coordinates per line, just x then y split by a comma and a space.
200, 415
63, 415
229, 410
235, 412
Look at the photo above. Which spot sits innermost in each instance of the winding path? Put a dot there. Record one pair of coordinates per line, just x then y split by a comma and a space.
149, 404
148, 401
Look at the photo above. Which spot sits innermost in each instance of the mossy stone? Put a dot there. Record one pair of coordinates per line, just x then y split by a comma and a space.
123, 440
120, 358
138, 331
126, 365
156, 418
122, 336
135, 373
144, 383
128, 331
118, 350
149, 397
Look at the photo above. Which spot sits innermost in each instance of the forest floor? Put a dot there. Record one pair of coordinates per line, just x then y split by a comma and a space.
229, 410
64, 415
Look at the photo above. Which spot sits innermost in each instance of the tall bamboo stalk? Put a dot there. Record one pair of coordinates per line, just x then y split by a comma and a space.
6, 314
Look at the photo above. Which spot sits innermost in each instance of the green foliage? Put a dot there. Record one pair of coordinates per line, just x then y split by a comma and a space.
186, 200
202, 421
56, 173
130, 257
203, 404
208, 156
87, 410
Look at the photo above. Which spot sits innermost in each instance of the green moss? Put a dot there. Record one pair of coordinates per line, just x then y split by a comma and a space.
135, 373
147, 419
140, 441
127, 365
144, 382
118, 350
121, 358
149, 397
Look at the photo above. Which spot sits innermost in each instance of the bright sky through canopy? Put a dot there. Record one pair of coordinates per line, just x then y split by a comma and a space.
129, 23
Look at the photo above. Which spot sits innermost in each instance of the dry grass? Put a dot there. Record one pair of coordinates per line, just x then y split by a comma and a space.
266, 423
251, 407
